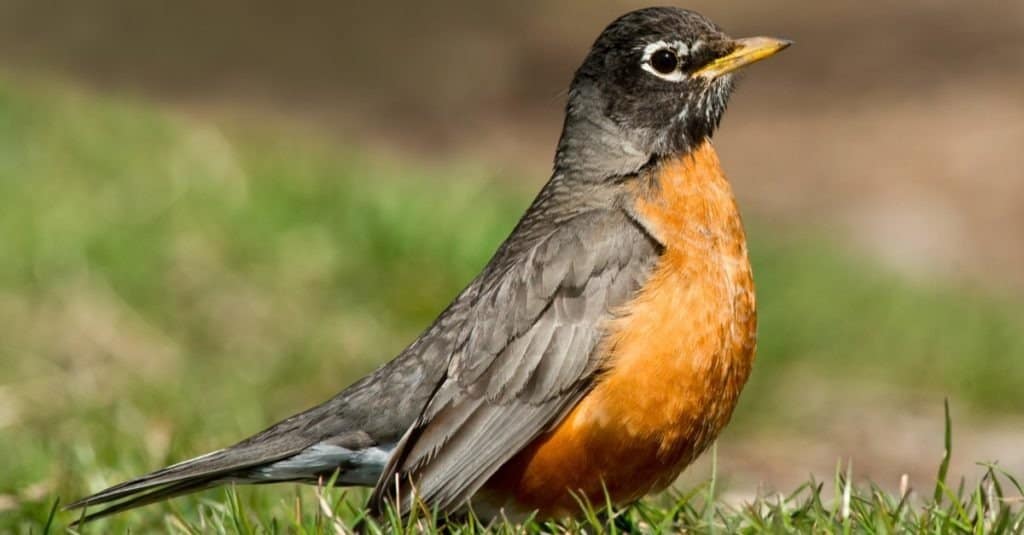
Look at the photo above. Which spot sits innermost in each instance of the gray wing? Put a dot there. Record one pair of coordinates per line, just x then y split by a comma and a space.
525, 354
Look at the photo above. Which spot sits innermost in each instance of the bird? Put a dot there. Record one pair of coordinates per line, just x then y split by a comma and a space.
598, 353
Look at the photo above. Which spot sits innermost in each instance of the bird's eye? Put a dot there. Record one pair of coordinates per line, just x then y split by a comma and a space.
664, 61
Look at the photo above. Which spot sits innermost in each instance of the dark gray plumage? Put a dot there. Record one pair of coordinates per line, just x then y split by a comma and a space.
511, 376
501, 363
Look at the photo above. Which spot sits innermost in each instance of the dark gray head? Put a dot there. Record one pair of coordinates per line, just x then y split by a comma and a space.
655, 84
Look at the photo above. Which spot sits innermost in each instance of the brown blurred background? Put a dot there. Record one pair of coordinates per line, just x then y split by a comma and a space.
895, 130
907, 116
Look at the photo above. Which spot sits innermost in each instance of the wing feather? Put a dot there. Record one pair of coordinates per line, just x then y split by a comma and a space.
531, 348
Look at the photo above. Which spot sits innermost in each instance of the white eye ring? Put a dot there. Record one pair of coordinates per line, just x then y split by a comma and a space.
679, 48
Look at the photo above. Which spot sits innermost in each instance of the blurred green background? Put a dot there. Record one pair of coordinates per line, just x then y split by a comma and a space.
214, 215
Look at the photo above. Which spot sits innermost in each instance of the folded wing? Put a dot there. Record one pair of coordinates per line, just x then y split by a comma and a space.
527, 353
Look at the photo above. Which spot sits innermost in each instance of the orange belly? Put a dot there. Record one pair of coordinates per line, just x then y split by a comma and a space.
677, 356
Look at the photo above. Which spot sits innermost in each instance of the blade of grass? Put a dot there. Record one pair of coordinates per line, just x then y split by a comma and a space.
946, 454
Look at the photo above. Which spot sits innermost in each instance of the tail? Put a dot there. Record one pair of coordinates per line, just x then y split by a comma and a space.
256, 460
306, 447
238, 463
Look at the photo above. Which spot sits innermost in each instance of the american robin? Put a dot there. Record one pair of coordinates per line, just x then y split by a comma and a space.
602, 348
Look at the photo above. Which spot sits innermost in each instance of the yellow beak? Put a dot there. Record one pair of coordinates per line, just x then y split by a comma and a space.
748, 50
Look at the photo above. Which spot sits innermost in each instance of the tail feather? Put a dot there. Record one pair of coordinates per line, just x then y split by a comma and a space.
182, 478
143, 498
304, 447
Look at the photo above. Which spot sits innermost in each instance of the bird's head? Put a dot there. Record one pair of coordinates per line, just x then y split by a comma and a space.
655, 83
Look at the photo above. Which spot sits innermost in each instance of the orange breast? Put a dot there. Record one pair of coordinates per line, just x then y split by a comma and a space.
678, 355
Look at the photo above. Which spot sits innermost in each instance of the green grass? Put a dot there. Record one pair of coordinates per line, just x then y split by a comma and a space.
168, 286
992, 506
